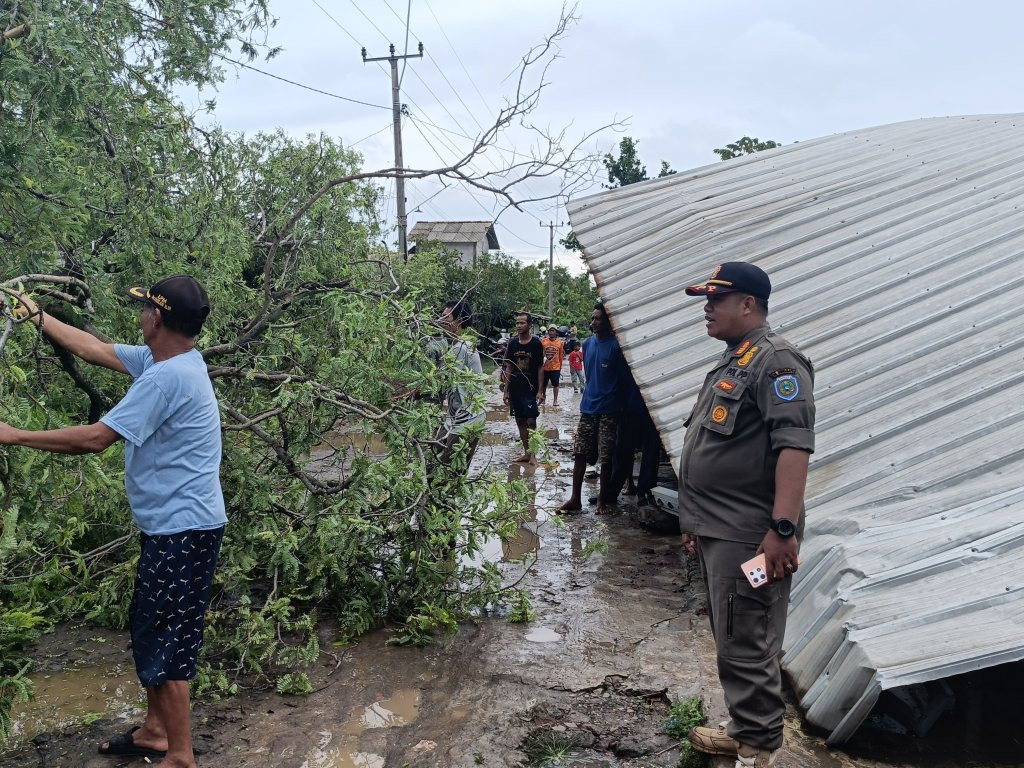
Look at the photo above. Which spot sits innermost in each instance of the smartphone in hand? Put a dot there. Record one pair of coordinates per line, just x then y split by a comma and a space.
756, 571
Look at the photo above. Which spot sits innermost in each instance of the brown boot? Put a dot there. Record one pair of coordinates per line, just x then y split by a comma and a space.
752, 757
713, 741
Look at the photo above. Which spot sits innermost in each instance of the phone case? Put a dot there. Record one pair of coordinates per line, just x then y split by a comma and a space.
755, 570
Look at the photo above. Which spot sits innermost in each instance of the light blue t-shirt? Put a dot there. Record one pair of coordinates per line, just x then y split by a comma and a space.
171, 426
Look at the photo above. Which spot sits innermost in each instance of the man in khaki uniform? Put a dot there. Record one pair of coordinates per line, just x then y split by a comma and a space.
744, 468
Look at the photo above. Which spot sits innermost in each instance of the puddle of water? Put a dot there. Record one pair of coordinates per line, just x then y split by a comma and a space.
497, 415
400, 708
490, 438
65, 698
524, 543
336, 440
543, 635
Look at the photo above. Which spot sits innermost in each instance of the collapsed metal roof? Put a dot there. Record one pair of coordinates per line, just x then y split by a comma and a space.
895, 256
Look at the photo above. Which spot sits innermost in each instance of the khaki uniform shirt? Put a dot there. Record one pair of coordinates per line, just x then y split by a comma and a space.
757, 400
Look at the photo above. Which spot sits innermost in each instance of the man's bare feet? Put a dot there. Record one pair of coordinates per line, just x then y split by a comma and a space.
569, 507
526, 458
606, 508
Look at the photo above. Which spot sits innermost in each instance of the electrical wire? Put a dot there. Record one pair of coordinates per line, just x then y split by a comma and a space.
385, 128
338, 23
372, 23
458, 58
300, 85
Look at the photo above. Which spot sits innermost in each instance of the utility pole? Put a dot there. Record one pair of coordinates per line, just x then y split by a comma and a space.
396, 114
551, 265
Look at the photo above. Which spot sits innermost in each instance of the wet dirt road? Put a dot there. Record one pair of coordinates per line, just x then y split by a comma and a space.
618, 636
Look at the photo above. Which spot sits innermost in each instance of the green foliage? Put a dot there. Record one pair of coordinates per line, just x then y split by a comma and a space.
626, 168
598, 544
744, 146
497, 288
623, 170
338, 504
521, 610
685, 715
544, 747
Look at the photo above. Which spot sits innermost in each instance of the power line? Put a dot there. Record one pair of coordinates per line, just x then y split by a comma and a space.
338, 23
386, 127
458, 58
299, 85
372, 24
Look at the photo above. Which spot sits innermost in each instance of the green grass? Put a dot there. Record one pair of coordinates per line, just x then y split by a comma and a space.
683, 716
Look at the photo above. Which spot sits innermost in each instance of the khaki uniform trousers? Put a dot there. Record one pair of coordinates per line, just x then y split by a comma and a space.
748, 625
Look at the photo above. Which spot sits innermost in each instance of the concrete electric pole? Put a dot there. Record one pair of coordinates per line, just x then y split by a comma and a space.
396, 114
551, 266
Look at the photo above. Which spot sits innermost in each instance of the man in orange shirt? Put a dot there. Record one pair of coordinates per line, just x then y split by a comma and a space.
554, 351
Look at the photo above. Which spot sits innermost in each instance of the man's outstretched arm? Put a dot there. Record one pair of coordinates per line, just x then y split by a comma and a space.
89, 438
74, 340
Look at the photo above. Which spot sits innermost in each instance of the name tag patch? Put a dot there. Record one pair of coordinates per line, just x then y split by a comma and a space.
786, 386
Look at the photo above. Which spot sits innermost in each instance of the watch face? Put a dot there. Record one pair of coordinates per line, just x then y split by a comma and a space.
784, 527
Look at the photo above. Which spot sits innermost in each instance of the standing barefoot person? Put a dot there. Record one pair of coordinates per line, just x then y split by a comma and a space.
523, 374
600, 407
170, 422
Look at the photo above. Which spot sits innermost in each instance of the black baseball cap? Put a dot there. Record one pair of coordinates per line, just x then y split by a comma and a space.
180, 296
734, 277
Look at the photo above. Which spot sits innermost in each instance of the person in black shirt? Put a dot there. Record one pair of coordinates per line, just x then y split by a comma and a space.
523, 374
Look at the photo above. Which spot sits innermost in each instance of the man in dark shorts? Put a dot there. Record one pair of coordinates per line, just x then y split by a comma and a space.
523, 374
554, 350
600, 407
170, 422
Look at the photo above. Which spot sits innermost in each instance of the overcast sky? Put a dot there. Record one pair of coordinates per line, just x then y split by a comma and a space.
685, 75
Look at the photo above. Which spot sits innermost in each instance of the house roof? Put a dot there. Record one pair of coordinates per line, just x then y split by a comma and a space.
456, 232
895, 255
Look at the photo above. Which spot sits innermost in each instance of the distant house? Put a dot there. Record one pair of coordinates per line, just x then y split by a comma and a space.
470, 238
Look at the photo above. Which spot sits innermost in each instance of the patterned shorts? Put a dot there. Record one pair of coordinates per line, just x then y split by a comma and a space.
595, 437
172, 592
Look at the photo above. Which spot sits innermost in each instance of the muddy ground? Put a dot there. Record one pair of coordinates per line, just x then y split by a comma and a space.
618, 637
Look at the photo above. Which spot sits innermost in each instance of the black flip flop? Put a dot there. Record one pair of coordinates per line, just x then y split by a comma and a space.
124, 745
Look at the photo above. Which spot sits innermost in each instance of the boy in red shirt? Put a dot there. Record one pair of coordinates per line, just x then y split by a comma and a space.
576, 369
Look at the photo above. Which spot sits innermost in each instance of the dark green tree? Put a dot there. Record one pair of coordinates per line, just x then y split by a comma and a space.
622, 170
744, 146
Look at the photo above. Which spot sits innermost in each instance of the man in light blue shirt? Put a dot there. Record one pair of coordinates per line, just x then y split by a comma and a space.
170, 422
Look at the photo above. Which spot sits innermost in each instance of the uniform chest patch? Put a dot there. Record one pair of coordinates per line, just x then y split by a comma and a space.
736, 373
726, 386
744, 361
719, 414
742, 348
786, 386
781, 372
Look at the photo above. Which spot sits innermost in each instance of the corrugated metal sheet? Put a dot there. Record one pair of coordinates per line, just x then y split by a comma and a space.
896, 258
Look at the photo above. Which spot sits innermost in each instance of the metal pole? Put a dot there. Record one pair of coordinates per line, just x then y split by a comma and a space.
551, 266
396, 116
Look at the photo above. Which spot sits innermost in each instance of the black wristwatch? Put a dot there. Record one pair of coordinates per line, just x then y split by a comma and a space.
784, 527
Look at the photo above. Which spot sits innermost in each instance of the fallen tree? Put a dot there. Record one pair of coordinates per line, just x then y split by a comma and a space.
106, 183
